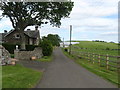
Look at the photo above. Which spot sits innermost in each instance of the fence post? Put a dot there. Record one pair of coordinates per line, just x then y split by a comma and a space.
107, 62
93, 58
99, 59
85, 55
88, 57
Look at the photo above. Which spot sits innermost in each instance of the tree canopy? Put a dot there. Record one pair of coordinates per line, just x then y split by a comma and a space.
54, 39
23, 14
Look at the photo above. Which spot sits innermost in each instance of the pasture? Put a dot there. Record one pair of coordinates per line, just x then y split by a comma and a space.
97, 47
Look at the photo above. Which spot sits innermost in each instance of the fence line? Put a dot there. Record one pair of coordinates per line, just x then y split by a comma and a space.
100, 59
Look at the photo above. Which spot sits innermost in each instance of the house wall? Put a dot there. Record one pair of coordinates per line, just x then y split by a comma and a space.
11, 38
28, 41
37, 41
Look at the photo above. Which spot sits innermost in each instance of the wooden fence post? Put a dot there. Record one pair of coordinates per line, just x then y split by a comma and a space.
99, 59
107, 62
93, 58
88, 57
85, 55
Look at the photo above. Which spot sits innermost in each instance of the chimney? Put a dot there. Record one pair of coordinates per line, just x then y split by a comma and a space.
36, 27
5, 31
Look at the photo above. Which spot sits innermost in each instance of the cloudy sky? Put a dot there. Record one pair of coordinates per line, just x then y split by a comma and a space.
91, 20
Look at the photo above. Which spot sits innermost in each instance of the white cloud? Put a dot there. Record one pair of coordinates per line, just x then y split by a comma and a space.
92, 8
109, 33
88, 16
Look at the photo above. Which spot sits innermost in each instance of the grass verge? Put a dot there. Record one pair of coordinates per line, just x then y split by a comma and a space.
19, 77
100, 71
45, 59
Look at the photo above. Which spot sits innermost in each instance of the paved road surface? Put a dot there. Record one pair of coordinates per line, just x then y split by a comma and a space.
65, 73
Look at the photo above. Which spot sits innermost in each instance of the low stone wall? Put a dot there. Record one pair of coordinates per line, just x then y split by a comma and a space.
26, 55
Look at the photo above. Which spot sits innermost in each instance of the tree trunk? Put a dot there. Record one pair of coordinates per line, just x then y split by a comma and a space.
23, 47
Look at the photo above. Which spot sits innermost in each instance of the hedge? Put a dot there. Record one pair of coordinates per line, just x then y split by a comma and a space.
12, 47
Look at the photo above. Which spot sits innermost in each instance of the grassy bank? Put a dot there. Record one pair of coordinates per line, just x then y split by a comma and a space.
45, 59
19, 77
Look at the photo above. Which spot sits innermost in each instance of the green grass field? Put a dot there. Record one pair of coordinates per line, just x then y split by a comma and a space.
19, 77
97, 48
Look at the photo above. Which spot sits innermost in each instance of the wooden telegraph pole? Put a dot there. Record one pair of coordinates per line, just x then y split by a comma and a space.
63, 43
70, 38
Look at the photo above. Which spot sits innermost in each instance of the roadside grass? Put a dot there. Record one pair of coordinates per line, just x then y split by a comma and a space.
45, 59
0, 77
19, 77
109, 75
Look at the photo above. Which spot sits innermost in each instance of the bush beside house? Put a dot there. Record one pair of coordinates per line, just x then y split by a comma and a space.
47, 48
12, 47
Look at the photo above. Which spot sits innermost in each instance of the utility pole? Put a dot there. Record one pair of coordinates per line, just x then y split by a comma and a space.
70, 38
63, 42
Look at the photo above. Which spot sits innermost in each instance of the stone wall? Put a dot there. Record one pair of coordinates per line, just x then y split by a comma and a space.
4, 56
26, 55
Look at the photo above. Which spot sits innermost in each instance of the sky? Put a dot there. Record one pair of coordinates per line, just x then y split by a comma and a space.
90, 20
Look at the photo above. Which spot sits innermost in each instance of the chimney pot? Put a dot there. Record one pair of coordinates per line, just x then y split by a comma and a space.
36, 27
5, 31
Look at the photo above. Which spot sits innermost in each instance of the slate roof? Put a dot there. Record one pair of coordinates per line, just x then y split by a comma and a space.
32, 34
9, 32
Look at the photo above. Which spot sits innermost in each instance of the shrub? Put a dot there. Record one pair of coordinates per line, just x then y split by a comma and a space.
30, 47
47, 48
107, 48
12, 47
66, 50
40, 43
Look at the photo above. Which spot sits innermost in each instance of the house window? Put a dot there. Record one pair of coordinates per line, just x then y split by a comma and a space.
17, 36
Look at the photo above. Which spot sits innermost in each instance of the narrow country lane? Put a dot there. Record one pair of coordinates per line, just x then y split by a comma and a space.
65, 73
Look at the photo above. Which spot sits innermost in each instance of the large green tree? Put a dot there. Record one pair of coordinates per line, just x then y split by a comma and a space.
54, 39
24, 14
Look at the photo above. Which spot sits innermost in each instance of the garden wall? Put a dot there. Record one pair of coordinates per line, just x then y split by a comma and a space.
26, 55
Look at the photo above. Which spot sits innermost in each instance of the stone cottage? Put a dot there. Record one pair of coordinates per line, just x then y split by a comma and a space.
32, 37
